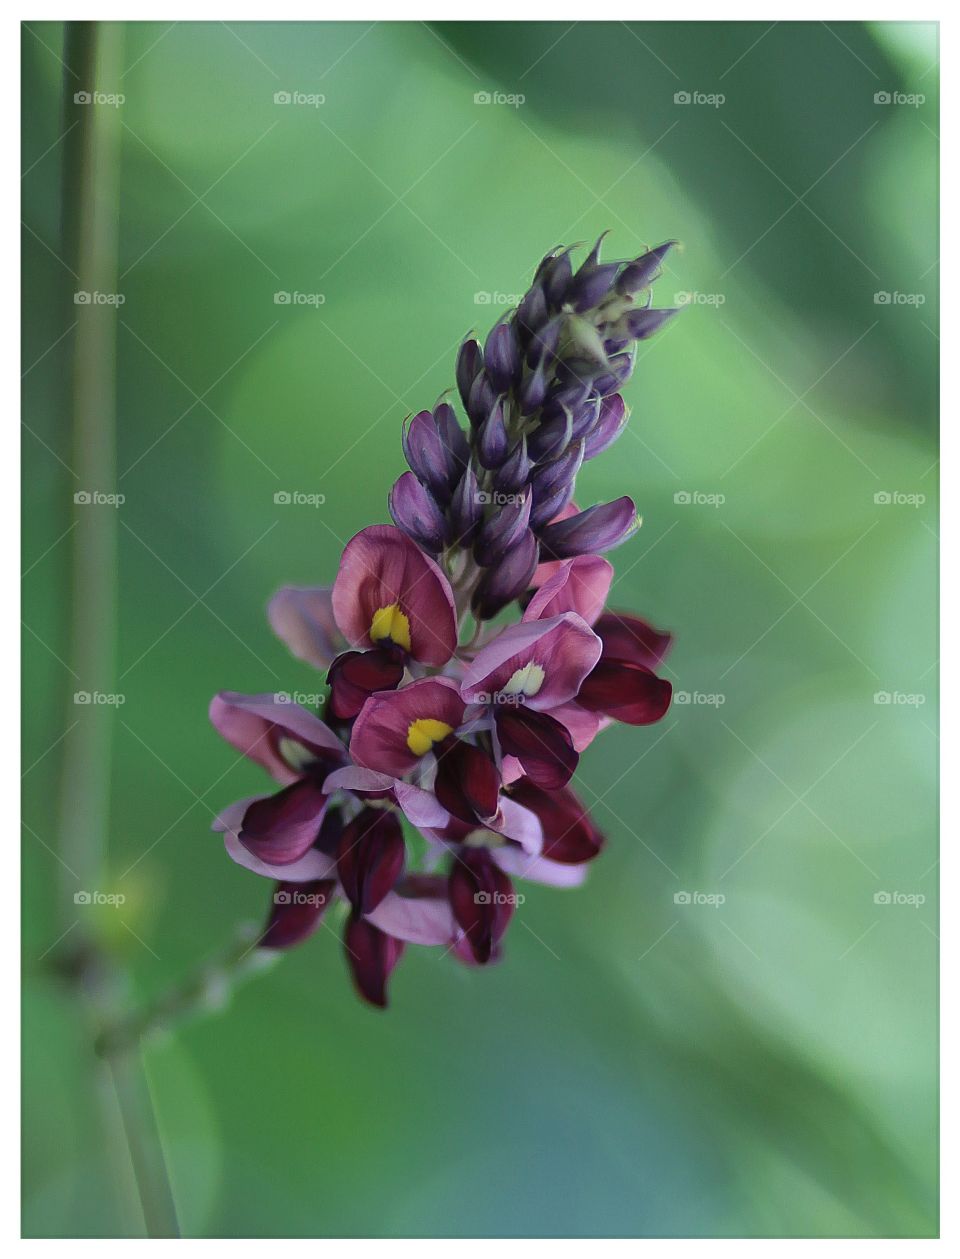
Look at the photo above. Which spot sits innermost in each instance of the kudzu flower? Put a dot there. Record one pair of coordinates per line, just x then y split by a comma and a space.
438, 722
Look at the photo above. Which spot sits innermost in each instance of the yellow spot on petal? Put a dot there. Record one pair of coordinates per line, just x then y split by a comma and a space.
391, 623
295, 754
526, 681
424, 733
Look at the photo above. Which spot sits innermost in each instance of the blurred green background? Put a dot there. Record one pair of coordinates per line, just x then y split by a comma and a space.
643, 1063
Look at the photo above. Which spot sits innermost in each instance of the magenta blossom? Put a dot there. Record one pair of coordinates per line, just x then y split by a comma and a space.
441, 719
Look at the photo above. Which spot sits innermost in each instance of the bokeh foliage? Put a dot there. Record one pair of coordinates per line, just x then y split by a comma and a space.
637, 1066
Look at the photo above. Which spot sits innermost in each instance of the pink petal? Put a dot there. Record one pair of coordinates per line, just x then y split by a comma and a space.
302, 618
254, 725
381, 567
312, 865
379, 738
539, 869
417, 919
579, 585
564, 647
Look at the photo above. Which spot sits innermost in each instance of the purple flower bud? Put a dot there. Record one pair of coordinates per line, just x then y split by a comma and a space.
591, 285
515, 470
533, 311
469, 367
455, 445
543, 344
501, 530
610, 424
644, 323
621, 369
550, 439
415, 512
425, 454
494, 441
466, 510
501, 356
585, 417
590, 532
553, 484
534, 389
556, 278
508, 580
481, 401
642, 271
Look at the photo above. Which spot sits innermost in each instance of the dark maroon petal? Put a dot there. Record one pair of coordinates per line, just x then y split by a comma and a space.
295, 912
629, 692
540, 743
356, 674
467, 782
371, 956
482, 899
370, 858
631, 638
569, 834
280, 828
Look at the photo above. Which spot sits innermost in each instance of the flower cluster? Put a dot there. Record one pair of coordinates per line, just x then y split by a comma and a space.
444, 718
